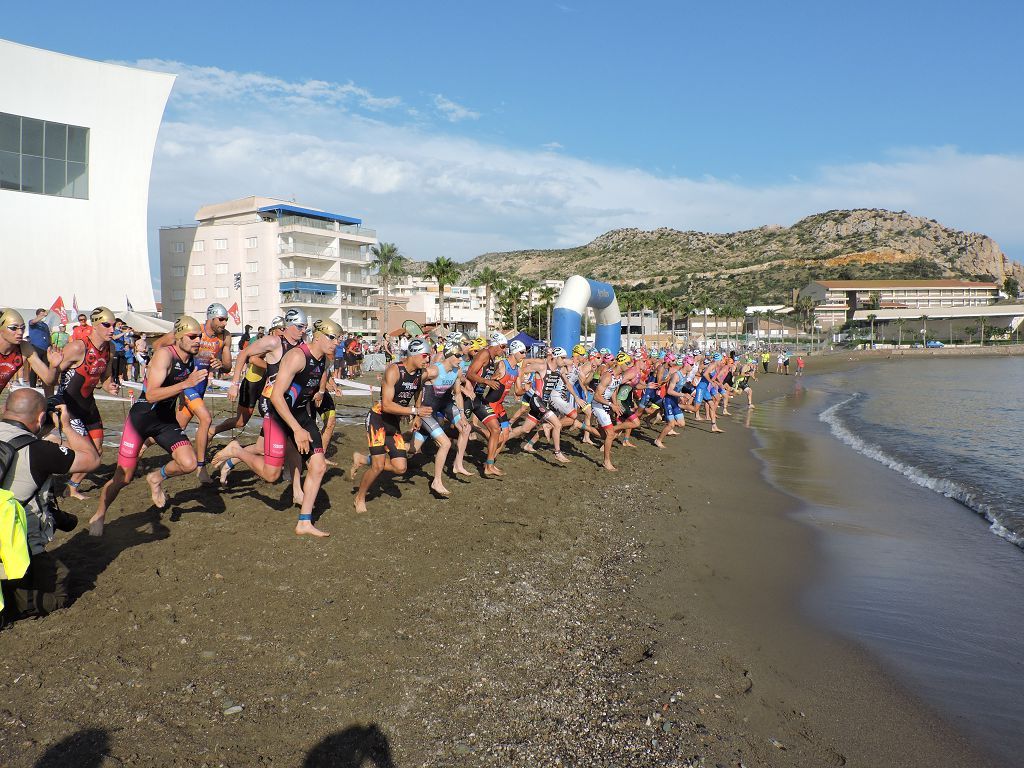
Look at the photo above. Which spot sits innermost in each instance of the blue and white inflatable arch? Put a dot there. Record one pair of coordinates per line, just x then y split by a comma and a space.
577, 294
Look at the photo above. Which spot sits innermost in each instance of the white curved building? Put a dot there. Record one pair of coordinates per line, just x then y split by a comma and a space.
76, 148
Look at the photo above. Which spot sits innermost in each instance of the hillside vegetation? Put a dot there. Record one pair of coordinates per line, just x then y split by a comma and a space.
764, 265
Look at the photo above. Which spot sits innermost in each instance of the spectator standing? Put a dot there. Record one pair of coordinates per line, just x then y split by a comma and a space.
60, 338
245, 338
141, 357
81, 331
339, 359
119, 361
39, 338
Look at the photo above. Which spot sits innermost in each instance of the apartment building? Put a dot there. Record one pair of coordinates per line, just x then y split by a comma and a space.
836, 301
464, 306
283, 256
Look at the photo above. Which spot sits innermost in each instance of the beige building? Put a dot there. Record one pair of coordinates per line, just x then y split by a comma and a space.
836, 301
267, 256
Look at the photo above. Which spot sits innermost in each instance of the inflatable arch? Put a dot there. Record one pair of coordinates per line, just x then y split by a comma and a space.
577, 294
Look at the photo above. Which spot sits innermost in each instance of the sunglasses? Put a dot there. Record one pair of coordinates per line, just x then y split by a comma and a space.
107, 325
81, 319
16, 327
192, 336
330, 336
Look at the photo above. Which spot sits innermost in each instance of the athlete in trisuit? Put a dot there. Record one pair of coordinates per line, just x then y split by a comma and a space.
398, 393
443, 395
547, 374
248, 392
267, 460
87, 362
483, 375
606, 405
214, 354
170, 372
15, 351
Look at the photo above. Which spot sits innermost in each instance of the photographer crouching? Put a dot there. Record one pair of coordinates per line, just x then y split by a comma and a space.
44, 587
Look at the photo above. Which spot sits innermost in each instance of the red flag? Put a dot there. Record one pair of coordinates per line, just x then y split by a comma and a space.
234, 314
59, 310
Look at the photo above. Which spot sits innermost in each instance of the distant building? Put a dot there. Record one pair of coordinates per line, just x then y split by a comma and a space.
76, 149
836, 301
285, 255
464, 306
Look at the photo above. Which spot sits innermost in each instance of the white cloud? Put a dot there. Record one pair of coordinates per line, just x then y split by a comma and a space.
452, 111
552, 146
439, 194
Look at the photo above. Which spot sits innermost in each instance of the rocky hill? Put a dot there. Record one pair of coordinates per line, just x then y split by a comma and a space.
763, 265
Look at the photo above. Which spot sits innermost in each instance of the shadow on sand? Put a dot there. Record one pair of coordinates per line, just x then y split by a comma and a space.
358, 746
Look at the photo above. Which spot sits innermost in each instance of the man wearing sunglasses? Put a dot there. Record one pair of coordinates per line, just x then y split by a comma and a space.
171, 371
81, 331
289, 423
87, 363
214, 355
15, 352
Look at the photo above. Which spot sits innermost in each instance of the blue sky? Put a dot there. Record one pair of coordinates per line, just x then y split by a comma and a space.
458, 128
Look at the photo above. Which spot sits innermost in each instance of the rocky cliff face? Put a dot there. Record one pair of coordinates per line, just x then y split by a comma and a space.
766, 263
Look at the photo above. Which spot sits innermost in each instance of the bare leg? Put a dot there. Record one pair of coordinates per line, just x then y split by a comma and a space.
378, 464
443, 446
113, 487
78, 477
316, 466
183, 462
255, 461
460, 448
493, 437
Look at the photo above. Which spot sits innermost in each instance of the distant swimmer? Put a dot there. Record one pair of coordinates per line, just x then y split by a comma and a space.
170, 372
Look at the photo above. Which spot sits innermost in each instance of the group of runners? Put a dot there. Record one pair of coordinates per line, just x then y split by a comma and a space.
443, 391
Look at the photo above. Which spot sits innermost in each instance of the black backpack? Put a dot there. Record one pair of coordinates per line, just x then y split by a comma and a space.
9, 454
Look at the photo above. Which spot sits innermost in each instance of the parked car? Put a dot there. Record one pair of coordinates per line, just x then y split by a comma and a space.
934, 344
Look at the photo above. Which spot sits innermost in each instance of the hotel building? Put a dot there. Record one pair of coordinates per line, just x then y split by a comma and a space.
268, 256
836, 301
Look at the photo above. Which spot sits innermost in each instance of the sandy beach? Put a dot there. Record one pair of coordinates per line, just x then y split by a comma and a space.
558, 616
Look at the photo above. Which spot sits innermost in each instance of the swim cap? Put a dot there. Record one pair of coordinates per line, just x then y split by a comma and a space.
605, 351
558, 352
497, 339
418, 347
579, 349
327, 327
295, 317
609, 358
452, 349
669, 358
688, 360
624, 359
102, 315
215, 311
516, 346
477, 344
277, 322
717, 357
185, 325
10, 316
455, 337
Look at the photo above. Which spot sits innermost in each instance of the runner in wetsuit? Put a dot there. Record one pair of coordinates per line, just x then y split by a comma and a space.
398, 393
16, 351
481, 375
170, 372
252, 383
606, 405
87, 362
442, 393
267, 460
549, 374
215, 355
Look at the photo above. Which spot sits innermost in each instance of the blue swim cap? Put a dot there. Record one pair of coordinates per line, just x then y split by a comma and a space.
717, 357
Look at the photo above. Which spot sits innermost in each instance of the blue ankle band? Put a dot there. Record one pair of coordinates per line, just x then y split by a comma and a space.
489, 461
230, 463
73, 484
163, 472
200, 464
305, 517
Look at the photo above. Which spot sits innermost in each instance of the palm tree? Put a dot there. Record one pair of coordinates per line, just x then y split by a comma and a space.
900, 322
770, 314
489, 278
390, 265
871, 319
547, 296
445, 272
513, 291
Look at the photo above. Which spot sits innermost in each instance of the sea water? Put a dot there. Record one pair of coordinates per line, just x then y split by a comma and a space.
912, 475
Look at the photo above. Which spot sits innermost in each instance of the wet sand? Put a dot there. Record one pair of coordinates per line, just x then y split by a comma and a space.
560, 615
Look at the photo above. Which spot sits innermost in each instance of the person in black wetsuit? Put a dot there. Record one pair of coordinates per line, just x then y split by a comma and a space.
170, 372
398, 396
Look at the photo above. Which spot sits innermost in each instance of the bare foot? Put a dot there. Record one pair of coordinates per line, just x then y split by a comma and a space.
360, 505
331, 463
561, 457
492, 471
221, 456
96, 525
659, 443
751, 406
438, 487
204, 476
587, 441
358, 462
727, 413
225, 470
306, 528
610, 468
714, 428
460, 470
156, 489
297, 497
528, 447
672, 432
74, 493
628, 444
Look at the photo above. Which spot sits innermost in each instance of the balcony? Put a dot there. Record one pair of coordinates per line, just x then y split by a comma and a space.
307, 250
322, 228
309, 274
291, 298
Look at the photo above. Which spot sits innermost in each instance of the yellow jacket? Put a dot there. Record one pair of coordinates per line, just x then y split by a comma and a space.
14, 554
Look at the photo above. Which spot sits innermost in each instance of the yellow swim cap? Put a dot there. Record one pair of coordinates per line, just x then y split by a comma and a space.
185, 325
579, 349
102, 315
477, 344
624, 359
10, 316
327, 328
